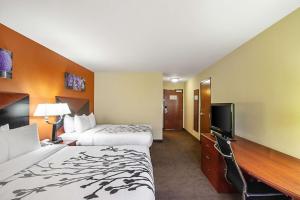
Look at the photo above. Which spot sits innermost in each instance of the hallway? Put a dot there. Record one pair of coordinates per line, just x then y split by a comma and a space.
177, 173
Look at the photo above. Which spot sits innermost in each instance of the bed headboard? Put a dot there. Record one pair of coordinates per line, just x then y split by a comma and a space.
77, 106
14, 109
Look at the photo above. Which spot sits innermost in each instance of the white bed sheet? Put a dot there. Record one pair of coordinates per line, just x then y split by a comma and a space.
78, 173
113, 135
70, 136
17, 164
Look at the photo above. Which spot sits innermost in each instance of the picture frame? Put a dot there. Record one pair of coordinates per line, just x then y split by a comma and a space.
74, 82
6, 63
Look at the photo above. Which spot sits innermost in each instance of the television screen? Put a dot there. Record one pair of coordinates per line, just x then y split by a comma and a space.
222, 119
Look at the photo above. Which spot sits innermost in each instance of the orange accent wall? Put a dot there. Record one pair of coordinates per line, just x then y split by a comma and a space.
39, 72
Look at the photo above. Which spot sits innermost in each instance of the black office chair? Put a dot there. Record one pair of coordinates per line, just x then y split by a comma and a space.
250, 190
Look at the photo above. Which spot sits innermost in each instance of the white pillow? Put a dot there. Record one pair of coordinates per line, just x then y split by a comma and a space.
81, 123
4, 128
92, 120
4, 147
23, 140
69, 124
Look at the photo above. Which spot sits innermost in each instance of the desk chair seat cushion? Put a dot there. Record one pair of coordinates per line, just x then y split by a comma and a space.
264, 191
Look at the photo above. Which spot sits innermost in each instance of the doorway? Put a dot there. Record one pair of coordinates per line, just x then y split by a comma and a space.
173, 109
205, 96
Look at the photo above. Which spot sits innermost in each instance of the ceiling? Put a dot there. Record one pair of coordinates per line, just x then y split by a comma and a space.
175, 37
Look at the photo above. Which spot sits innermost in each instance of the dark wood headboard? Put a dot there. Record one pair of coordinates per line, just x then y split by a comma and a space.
77, 106
14, 109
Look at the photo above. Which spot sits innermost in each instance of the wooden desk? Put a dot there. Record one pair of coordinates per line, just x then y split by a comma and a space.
276, 169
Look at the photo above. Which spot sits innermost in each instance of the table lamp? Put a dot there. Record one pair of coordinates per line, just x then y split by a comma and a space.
56, 109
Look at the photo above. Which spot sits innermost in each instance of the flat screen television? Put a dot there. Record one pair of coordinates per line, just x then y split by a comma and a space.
222, 119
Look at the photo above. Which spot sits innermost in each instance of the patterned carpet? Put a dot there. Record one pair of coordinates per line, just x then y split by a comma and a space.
177, 172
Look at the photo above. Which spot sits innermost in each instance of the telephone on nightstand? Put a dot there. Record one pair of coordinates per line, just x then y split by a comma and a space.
46, 142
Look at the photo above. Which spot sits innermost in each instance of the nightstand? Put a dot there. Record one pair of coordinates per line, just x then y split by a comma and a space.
69, 142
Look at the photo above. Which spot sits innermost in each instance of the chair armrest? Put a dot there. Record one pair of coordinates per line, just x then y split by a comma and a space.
220, 152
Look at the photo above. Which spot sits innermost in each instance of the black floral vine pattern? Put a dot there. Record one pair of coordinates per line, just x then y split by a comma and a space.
126, 128
115, 170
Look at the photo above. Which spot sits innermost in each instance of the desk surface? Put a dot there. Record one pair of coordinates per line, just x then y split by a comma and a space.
276, 169
271, 167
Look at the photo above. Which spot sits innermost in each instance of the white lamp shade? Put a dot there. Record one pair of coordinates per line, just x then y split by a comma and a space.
56, 109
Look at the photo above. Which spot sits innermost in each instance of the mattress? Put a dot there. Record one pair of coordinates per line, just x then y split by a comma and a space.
108, 134
79, 172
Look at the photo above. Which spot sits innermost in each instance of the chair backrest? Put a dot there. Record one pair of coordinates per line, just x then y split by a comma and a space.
233, 173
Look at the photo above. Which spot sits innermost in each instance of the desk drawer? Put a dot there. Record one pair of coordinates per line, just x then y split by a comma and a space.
206, 144
208, 157
212, 165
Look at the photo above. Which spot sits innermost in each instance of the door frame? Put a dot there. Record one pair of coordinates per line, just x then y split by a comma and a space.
196, 116
201, 113
182, 109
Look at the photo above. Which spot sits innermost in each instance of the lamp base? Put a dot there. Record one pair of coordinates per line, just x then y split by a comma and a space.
54, 138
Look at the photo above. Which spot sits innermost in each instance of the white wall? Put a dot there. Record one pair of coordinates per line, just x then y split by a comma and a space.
122, 98
168, 85
262, 79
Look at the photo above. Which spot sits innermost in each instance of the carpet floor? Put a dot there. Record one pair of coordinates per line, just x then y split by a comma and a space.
177, 173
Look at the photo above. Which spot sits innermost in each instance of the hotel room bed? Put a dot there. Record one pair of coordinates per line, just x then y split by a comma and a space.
106, 134
31, 172
113, 135
80, 172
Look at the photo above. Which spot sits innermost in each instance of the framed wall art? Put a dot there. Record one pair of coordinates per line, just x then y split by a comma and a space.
5, 64
74, 82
